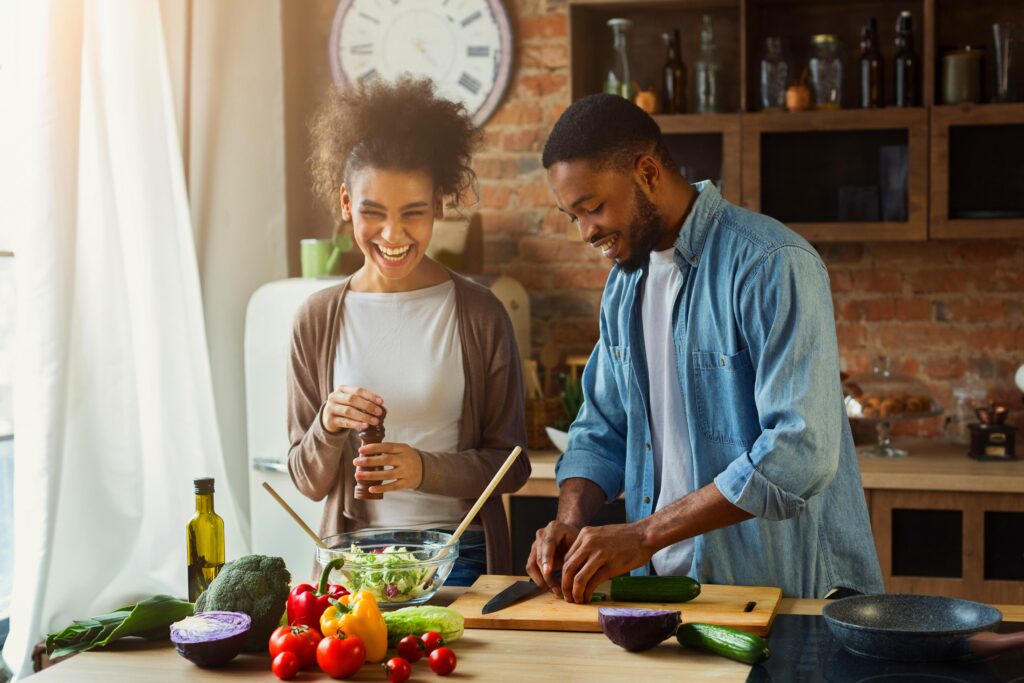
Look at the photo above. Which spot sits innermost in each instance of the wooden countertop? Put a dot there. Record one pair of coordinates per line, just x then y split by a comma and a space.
484, 655
931, 466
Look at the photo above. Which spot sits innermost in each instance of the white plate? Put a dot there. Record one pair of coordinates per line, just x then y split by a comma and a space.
558, 437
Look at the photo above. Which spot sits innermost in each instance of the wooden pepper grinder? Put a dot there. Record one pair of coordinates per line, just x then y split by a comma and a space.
372, 434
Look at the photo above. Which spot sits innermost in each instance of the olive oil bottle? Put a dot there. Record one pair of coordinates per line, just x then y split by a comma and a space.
204, 536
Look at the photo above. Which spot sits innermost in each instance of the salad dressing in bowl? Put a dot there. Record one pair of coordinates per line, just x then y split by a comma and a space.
400, 567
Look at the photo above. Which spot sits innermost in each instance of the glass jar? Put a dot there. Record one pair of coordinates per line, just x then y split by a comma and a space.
619, 82
707, 70
826, 68
774, 75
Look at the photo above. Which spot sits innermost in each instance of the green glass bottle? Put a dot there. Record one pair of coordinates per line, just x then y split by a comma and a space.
204, 536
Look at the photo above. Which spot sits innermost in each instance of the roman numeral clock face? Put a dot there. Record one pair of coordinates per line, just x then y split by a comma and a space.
464, 46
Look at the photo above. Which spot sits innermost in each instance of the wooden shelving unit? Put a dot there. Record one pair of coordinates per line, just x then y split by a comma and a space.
999, 169
744, 137
912, 123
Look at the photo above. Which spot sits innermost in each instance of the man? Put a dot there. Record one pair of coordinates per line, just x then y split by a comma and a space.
712, 397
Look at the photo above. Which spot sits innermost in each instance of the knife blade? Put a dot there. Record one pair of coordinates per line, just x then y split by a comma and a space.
514, 593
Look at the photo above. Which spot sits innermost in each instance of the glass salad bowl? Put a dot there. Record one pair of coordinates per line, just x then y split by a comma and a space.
400, 567
883, 397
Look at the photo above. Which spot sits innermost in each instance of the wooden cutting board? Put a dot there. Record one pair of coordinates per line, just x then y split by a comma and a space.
749, 608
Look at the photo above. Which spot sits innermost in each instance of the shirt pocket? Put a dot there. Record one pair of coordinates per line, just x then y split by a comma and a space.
724, 391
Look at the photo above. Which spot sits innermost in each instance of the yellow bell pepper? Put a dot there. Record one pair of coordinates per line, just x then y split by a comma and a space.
358, 615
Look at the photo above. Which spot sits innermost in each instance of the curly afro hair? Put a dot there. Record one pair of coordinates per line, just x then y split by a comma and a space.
606, 130
400, 125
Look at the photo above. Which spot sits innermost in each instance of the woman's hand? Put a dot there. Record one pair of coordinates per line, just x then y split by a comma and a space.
351, 408
404, 461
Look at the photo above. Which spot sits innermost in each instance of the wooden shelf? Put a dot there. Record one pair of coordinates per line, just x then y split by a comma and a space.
944, 117
741, 27
838, 119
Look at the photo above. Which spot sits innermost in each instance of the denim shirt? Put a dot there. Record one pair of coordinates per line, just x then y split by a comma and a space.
758, 362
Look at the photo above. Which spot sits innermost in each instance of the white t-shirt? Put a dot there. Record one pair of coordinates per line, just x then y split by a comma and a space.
670, 437
405, 347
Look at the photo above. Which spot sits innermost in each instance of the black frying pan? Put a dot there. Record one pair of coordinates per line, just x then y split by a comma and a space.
918, 628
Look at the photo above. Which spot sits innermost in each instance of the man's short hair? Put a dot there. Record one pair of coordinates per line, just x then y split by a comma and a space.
606, 130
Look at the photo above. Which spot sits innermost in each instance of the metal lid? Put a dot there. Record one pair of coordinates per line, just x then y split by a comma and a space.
204, 486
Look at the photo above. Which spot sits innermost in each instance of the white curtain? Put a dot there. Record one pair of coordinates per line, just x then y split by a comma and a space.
114, 411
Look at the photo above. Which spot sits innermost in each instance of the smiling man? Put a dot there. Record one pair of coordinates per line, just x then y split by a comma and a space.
712, 398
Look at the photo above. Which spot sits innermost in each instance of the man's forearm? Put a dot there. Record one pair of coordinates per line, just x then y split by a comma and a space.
704, 510
579, 502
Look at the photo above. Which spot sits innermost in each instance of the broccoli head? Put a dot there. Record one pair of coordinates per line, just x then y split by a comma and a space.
255, 584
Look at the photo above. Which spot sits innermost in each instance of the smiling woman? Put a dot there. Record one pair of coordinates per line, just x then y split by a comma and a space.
403, 333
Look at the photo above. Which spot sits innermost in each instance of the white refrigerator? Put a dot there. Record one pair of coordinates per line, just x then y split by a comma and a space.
268, 332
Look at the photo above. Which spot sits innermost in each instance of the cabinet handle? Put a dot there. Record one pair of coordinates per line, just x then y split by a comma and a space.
266, 465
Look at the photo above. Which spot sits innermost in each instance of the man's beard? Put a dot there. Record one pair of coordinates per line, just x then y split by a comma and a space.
645, 230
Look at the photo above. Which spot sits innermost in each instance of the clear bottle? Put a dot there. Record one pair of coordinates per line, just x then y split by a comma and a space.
707, 71
826, 71
673, 76
204, 537
774, 75
871, 71
619, 82
907, 63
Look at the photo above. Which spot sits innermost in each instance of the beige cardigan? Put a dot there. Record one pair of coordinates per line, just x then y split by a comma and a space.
493, 421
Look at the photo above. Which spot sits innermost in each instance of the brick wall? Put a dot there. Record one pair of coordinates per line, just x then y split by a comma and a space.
938, 309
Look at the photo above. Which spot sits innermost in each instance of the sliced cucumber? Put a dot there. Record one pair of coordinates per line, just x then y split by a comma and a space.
724, 641
654, 589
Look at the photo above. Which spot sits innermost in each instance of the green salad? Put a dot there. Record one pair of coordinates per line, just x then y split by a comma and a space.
391, 575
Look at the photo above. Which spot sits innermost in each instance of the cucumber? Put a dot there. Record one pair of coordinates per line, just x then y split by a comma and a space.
724, 641
654, 589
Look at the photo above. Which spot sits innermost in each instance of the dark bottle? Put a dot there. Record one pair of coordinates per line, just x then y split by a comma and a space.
673, 76
907, 63
871, 89
204, 536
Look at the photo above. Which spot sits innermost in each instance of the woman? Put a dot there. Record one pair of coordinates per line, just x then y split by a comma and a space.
404, 334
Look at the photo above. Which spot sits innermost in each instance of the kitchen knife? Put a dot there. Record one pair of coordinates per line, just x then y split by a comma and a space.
514, 593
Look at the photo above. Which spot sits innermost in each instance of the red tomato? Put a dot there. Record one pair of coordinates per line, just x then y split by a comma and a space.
285, 665
411, 649
302, 640
432, 640
397, 669
443, 661
341, 656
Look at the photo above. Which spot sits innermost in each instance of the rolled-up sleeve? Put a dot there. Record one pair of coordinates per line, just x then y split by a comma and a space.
787, 321
597, 437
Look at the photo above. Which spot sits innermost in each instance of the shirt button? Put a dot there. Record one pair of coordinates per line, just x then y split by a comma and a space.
647, 446
647, 499
721, 361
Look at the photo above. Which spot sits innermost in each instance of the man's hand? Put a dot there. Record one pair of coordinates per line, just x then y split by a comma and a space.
404, 460
547, 552
598, 554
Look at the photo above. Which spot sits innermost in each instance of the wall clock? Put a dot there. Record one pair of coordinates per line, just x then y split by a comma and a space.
464, 46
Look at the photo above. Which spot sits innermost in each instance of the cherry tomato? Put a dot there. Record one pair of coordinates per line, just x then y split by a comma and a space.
411, 649
432, 640
341, 656
285, 665
397, 669
302, 640
443, 661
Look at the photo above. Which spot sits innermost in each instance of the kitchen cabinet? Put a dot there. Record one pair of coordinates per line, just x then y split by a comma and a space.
943, 523
908, 174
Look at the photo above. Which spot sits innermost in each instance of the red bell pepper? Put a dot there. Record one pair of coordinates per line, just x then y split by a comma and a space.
306, 604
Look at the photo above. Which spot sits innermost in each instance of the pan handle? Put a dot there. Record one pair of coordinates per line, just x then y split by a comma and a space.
988, 644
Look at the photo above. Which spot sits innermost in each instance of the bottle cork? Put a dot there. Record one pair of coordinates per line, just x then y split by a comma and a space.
372, 434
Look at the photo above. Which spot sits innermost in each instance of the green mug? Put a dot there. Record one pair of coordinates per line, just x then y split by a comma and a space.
321, 258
